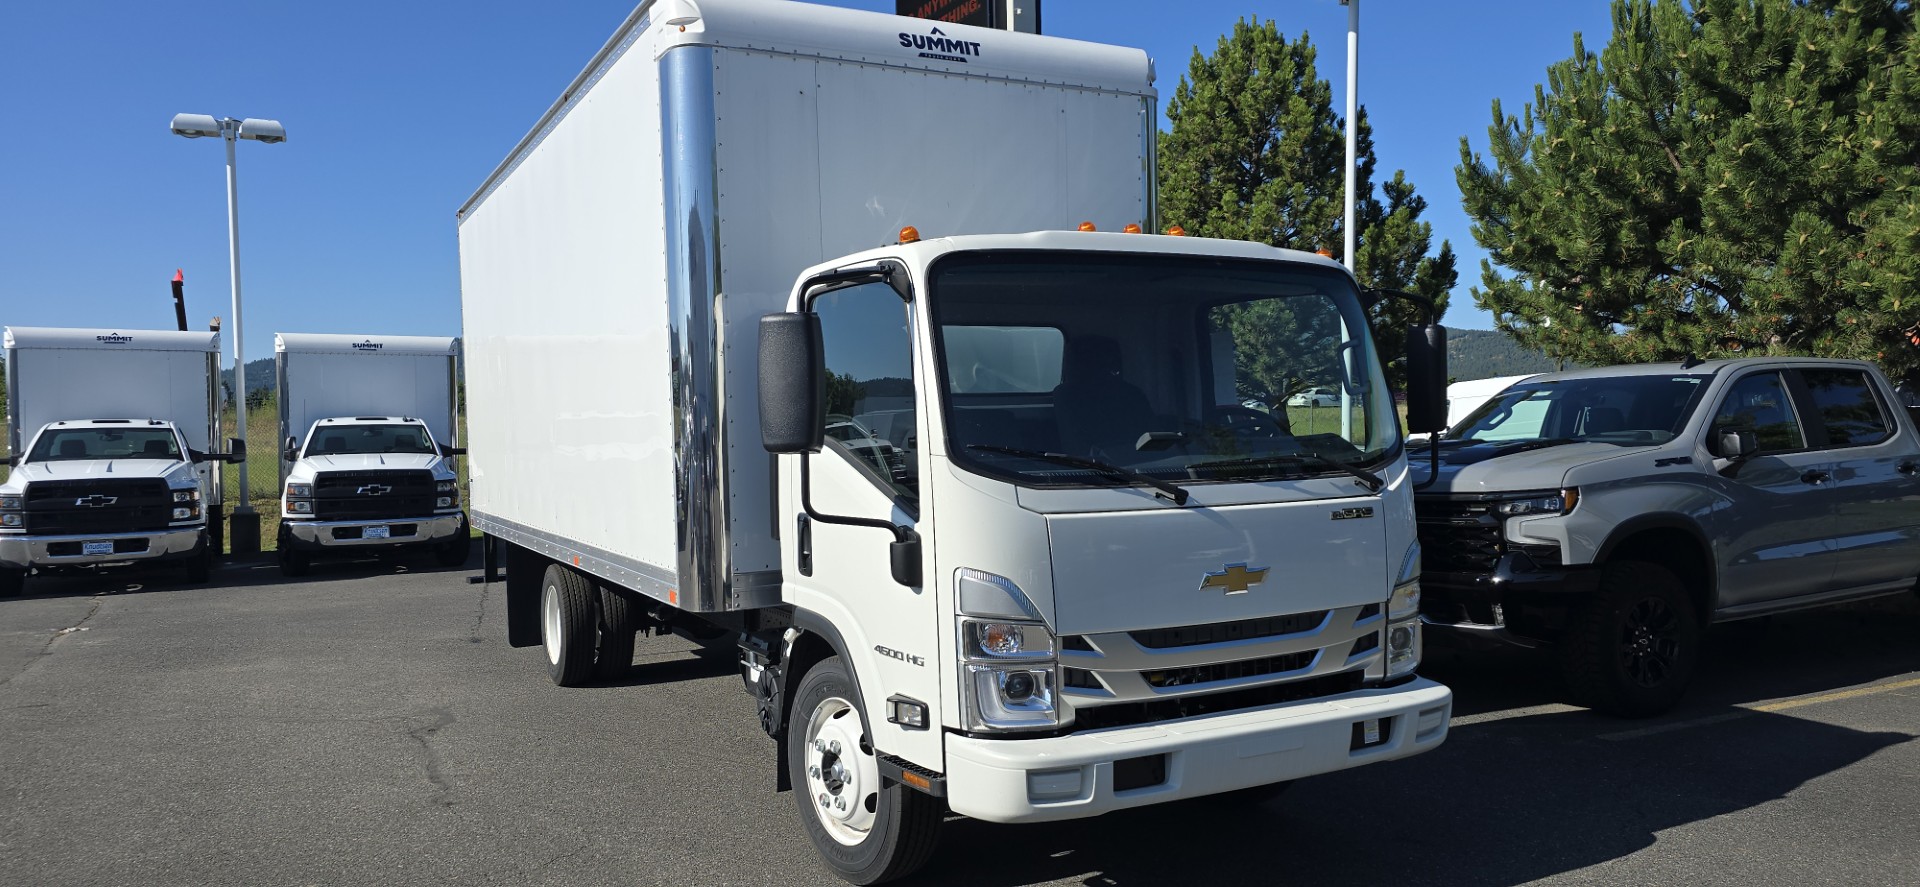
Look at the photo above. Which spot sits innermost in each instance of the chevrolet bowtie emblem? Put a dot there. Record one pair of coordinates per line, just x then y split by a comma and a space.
1236, 578
374, 490
96, 501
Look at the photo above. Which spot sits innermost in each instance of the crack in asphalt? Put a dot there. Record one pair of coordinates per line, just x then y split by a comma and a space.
479, 614
436, 776
59, 633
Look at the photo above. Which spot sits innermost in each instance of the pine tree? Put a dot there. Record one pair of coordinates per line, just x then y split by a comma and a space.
1727, 177
1257, 153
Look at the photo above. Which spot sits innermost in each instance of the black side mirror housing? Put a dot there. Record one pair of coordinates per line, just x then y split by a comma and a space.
236, 451
1426, 379
793, 383
452, 451
290, 451
905, 559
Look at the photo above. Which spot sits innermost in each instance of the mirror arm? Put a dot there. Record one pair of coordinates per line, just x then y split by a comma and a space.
1374, 297
902, 536
1433, 463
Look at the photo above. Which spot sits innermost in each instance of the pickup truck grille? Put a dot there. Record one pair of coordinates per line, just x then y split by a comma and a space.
1457, 535
376, 494
98, 505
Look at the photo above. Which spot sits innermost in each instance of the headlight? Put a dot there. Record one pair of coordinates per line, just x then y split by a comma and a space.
1010, 665
186, 513
13, 519
444, 486
186, 495
1539, 505
1403, 647
12, 503
1405, 601
299, 491
443, 502
299, 506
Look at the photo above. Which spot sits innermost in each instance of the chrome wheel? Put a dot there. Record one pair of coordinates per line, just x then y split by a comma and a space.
550, 621
843, 777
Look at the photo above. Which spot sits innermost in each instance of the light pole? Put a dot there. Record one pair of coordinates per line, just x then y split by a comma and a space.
1353, 91
245, 525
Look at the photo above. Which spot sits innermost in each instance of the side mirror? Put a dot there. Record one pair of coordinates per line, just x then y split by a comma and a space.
1426, 379
904, 554
236, 451
1735, 443
452, 451
793, 383
290, 451
13, 460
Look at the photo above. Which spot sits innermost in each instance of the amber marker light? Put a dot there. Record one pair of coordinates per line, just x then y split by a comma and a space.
909, 234
1176, 231
1087, 226
1130, 229
1323, 252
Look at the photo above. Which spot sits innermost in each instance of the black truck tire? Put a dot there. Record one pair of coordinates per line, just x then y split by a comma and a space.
902, 825
12, 582
1631, 650
569, 624
619, 621
294, 563
455, 551
199, 565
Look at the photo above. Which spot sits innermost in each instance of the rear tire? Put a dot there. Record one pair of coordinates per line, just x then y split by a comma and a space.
869, 830
1631, 650
12, 582
568, 620
619, 620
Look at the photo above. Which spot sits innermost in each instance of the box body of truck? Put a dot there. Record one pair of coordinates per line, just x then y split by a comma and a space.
368, 434
614, 268
136, 379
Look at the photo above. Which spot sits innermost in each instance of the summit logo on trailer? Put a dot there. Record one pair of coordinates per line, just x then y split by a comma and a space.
938, 45
368, 345
113, 339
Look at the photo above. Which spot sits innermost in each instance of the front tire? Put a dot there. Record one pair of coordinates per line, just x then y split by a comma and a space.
865, 829
456, 551
568, 618
199, 565
12, 582
1631, 651
294, 563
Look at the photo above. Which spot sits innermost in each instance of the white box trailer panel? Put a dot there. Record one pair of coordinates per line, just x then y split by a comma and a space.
611, 346
60, 374
328, 376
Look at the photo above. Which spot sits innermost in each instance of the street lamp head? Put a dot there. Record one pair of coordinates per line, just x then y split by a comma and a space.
195, 126
268, 131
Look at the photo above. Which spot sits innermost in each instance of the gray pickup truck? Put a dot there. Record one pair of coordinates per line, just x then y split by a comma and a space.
1610, 514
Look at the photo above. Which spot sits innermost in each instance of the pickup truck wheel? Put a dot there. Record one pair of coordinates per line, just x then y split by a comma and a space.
567, 625
1631, 651
865, 829
294, 563
455, 552
199, 566
12, 582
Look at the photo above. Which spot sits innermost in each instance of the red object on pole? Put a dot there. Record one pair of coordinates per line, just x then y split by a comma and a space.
180, 298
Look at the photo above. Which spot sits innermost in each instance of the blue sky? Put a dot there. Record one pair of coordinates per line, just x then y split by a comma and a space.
396, 111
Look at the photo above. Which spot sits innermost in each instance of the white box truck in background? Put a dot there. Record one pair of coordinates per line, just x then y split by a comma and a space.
1024, 554
111, 437
368, 436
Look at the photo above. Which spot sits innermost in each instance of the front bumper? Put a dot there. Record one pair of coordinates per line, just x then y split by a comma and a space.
1072, 776
23, 551
337, 534
1473, 609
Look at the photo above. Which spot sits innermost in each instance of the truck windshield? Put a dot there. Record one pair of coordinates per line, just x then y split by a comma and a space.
73, 444
349, 440
1156, 369
1624, 410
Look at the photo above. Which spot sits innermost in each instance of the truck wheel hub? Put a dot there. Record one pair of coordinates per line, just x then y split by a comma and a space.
842, 774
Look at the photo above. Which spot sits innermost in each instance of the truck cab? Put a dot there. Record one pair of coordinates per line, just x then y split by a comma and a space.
93, 492
364, 483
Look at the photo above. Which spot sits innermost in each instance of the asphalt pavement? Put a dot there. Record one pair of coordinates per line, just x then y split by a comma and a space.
369, 725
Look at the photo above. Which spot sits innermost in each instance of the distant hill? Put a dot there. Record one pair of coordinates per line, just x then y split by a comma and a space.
1483, 354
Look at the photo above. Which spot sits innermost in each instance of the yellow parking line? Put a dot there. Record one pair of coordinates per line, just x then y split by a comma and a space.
1741, 711
1830, 697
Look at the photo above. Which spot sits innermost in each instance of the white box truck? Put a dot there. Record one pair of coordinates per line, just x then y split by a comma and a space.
368, 438
110, 435
1019, 550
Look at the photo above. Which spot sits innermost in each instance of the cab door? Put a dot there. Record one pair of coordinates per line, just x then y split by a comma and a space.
1774, 537
1872, 477
867, 469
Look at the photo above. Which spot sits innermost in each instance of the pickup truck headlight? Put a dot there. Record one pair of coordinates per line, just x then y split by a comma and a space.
10, 508
181, 496
1539, 506
447, 494
1403, 641
299, 498
299, 491
1010, 666
12, 503
12, 519
186, 512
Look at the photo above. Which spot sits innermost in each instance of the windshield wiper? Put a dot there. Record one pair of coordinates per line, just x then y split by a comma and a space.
1162, 489
1373, 481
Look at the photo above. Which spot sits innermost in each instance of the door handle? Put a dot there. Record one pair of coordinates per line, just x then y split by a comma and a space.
1816, 477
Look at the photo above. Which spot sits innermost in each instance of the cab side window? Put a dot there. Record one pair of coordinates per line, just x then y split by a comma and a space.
1845, 407
866, 336
1760, 402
